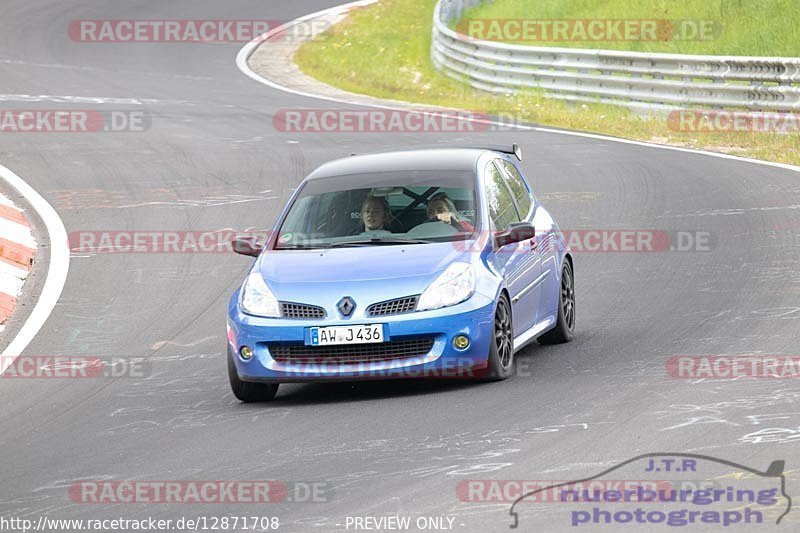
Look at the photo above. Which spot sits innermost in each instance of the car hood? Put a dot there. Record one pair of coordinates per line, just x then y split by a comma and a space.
372, 271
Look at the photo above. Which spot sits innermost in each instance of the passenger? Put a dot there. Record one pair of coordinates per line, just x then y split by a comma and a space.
375, 213
441, 208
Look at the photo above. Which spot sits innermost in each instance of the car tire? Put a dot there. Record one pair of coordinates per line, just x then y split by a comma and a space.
565, 324
246, 391
501, 346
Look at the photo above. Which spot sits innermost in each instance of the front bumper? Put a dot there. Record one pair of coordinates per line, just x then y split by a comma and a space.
473, 318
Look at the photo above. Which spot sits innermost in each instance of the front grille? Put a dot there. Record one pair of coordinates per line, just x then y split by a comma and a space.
292, 310
393, 307
354, 353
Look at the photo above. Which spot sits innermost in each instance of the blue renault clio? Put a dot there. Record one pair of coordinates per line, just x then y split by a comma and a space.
428, 263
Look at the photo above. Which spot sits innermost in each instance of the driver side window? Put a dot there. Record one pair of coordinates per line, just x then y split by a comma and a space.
502, 211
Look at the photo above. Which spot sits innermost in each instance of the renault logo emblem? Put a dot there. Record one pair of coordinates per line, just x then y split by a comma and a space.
346, 306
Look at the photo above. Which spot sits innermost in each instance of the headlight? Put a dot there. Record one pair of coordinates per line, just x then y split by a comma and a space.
454, 285
257, 299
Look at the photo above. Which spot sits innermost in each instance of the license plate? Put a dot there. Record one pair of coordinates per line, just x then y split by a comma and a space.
361, 334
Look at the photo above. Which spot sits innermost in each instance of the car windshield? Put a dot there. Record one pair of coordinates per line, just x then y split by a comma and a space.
385, 208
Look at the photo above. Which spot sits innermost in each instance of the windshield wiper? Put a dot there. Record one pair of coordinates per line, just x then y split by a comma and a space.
301, 247
377, 241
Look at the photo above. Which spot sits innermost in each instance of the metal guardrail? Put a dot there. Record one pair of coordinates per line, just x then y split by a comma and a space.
632, 79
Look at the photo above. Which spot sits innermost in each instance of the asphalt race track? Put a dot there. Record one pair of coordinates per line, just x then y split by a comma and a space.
212, 160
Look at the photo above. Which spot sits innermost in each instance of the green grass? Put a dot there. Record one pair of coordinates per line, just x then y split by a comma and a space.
383, 50
742, 27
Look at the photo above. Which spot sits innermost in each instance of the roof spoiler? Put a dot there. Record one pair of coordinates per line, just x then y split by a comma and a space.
514, 149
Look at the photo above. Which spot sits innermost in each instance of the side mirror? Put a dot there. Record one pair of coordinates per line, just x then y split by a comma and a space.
247, 246
521, 231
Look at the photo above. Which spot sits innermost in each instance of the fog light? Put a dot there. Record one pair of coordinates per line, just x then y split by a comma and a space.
461, 342
246, 353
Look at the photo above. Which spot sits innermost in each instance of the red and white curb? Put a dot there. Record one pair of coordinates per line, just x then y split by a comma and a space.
17, 249
57, 267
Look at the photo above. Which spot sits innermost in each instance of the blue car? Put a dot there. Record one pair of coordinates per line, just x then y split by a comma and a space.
428, 263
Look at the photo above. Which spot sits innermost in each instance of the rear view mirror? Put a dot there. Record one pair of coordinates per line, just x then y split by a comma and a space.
387, 191
522, 231
247, 246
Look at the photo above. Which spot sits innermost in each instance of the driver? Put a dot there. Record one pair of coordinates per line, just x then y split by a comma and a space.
441, 208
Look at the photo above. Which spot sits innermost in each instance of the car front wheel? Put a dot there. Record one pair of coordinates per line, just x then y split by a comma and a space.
246, 391
501, 347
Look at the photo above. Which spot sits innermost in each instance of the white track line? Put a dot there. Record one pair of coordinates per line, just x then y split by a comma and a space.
247, 50
56, 272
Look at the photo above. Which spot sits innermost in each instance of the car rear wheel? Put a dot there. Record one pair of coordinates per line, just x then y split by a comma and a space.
501, 347
246, 391
565, 325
